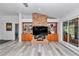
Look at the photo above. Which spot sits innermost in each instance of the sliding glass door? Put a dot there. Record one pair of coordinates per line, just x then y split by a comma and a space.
71, 31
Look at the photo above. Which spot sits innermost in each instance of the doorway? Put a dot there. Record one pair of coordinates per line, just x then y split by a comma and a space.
17, 32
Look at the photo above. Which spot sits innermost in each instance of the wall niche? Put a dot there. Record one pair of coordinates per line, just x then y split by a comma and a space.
52, 27
27, 27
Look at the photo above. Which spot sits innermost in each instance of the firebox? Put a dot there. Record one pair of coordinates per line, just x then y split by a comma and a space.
40, 32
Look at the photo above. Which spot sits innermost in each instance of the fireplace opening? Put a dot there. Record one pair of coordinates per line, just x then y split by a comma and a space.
39, 37
40, 32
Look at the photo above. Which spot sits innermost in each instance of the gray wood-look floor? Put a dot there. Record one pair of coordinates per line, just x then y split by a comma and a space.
14, 48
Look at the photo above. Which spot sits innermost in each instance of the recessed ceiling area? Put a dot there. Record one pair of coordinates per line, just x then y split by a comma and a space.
56, 10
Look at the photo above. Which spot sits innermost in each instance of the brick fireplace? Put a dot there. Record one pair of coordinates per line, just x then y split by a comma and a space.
39, 20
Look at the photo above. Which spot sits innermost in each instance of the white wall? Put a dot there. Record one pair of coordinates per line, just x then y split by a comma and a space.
53, 20
7, 35
27, 17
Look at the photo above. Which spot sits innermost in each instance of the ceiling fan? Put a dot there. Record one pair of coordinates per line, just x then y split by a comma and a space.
25, 4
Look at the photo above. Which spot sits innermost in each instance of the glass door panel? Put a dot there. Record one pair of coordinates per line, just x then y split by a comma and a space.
65, 31
73, 31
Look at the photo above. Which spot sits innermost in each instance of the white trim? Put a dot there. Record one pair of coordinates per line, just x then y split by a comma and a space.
20, 26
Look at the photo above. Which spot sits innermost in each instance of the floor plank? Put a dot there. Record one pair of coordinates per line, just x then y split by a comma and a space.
14, 48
